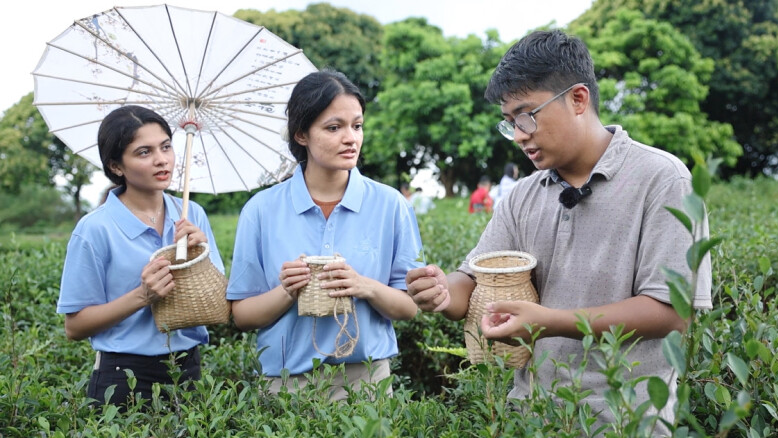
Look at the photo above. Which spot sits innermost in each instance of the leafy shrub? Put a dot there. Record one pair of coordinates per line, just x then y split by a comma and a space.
730, 387
35, 207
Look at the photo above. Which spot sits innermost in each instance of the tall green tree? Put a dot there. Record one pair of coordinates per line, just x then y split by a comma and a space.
652, 81
330, 37
431, 109
742, 39
29, 154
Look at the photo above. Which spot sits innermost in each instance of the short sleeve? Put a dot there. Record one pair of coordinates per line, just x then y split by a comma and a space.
247, 274
664, 243
83, 277
409, 253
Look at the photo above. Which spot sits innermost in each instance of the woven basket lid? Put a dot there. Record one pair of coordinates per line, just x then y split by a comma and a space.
322, 260
531, 262
186, 264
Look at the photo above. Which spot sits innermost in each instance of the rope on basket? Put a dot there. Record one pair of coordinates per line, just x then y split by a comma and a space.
346, 348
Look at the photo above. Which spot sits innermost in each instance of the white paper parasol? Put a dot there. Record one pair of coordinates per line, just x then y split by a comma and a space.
220, 82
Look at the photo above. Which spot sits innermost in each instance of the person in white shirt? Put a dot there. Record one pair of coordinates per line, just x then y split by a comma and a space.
509, 179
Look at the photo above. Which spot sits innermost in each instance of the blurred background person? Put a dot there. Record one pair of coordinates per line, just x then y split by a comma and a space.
480, 200
509, 179
421, 203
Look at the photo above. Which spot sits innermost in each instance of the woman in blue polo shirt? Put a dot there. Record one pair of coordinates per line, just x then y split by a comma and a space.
108, 281
327, 207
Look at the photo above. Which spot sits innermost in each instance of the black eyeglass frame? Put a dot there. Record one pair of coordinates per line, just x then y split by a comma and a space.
507, 129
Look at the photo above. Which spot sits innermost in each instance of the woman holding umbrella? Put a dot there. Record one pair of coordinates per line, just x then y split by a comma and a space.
327, 207
108, 282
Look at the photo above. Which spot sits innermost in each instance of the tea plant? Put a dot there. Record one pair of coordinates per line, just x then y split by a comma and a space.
728, 357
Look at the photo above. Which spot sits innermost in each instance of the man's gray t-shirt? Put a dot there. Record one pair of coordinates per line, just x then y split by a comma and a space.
609, 247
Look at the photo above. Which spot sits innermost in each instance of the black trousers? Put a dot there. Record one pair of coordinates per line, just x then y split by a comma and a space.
147, 370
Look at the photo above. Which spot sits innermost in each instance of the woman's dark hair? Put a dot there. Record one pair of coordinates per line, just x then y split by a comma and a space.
310, 97
510, 170
118, 129
543, 61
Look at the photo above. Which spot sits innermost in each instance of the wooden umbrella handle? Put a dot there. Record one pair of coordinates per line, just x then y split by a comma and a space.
181, 244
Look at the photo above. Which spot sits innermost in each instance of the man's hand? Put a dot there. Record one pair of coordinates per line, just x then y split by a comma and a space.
428, 286
506, 320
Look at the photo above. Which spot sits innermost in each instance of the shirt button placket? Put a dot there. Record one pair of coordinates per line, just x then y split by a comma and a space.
565, 221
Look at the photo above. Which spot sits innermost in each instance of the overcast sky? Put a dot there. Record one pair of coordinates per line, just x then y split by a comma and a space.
26, 26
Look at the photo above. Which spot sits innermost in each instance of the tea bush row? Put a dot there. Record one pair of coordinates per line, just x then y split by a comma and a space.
732, 381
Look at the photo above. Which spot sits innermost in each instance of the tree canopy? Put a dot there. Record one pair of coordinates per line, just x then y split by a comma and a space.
431, 109
652, 80
690, 77
29, 154
330, 37
742, 40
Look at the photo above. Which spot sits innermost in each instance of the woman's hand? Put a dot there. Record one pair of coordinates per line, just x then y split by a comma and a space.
339, 275
156, 280
186, 228
294, 276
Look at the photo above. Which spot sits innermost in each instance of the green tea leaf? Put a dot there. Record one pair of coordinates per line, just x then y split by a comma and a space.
758, 283
681, 216
680, 295
764, 265
671, 347
697, 251
658, 392
694, 207
701, 180
710, 391
723, 396
739, 367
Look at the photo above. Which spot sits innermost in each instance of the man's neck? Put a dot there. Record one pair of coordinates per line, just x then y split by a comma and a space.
595, 143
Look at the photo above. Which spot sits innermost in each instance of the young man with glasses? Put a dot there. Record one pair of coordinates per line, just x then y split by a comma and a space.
594, 217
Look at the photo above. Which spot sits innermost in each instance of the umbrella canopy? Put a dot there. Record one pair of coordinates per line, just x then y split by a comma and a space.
224, 80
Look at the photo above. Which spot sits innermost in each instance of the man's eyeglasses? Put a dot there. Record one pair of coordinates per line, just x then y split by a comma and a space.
526, 121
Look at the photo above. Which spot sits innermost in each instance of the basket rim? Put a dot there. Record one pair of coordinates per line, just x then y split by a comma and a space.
187, 264
322, 260
490, 255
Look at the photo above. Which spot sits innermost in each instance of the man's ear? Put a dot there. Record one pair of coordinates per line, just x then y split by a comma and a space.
581, 97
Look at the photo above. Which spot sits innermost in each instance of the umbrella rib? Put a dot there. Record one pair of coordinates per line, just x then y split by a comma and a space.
230, 115
102, 102
247, 152
241, 102
180, 88
97, 84
208, 166
237, 128
275, 61
178, 49
124, 54
95, 61
79, 151
255, 113
229, 160
252, 90
54, 131
205, 51
234, 57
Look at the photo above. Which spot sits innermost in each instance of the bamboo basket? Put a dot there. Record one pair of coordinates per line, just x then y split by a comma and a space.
315, 301
200, 293
500, 276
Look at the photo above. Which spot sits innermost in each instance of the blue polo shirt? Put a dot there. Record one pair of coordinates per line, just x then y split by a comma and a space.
105, 256
373, 227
